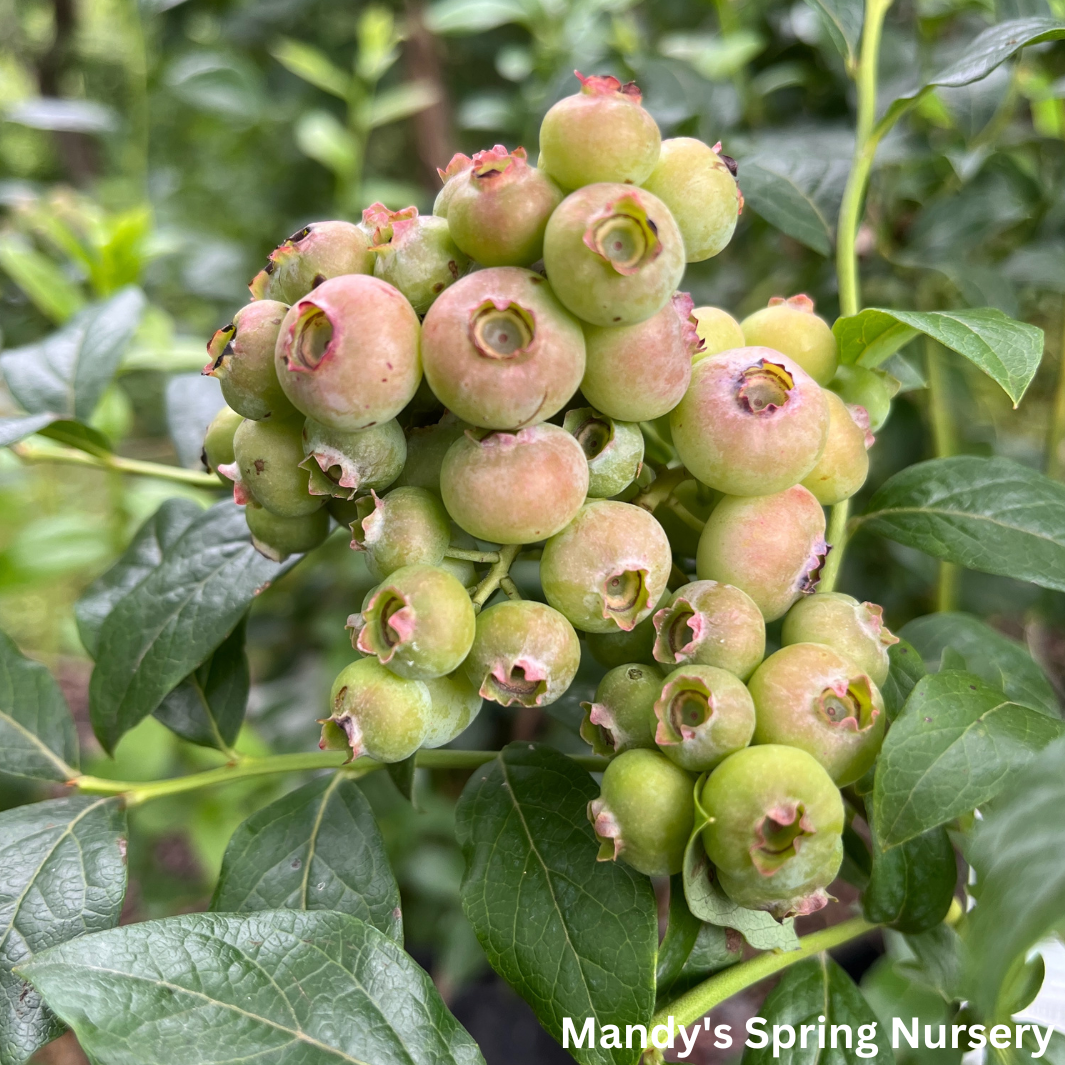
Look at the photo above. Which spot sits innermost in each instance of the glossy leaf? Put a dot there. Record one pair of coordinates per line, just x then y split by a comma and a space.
955, 745
48, 288
275, 986
62, 874
907, 668
842, 20
1003, 663
575, 937
37, 734
911, 886
682, 930
317, 848
174, 618
987, 514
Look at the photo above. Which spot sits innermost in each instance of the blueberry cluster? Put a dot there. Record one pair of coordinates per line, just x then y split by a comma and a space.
518, 372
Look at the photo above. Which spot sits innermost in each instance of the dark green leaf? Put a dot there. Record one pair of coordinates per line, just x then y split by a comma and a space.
402, 774
681, 933
715, 948
812, 989
77, 435
276, 986
575, 937
955, 745
12, 430
317, 848
1016, 851
912, 885
842, 20
192, 400
985, 514
857, 861
907, 669
62, 874
170, 622
936, 959
37, 734
1003, 663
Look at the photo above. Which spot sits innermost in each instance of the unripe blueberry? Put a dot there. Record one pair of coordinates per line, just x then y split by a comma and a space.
844, 464
791, 327
500, 351
640, 372
751, 423
711, 624
645, 812
601, 133
419, 623
426, 447
218, 442
405, 527
499, 208
459, 165
277, 537
703, 715
343, 464
855, 630
771, 547
348, 354
376, 713
775, 834
619, 647
524, 652
872, 389
242, 361
514, 488
613, 254
614, 450
314, 254
809, 696
623, 714
456, 702
267, 464
607, 569
718, 331
414, 253
699, 187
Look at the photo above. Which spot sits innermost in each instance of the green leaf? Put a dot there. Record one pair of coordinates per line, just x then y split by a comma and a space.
275, 986
987, 514
48, 288
911, 886
575, 937
168, 624
321, 137
12, 430
66, 372
1016, 851
403, 776
936, 959
954, 747
317, 848
392, 105
809, 990
62, 874
1000, 661
37, 734
842, 20
313, 66
460, 17
682, 930
906, 670
1008, 351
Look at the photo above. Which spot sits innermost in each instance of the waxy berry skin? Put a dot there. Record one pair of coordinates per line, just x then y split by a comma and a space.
316, 253
405, 527
426, 447
871, 389
267, 467
345, 464
348, 354
619, 647
775, 834
717, 330
218, 443
614, 450
455, 705
791, 327
622, 715
277, 537
459, 165
844, 464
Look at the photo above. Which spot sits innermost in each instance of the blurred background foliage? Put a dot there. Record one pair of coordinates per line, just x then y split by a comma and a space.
172, 143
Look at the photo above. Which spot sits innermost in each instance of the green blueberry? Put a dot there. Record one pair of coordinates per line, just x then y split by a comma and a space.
771, 547
376, 713
218, 443
639, 372
499, 208
791, 327
703, 714
613, 254
711, 624
524, 652
718, 331
775, 834
459, 165
314, 254
623, 714
872, 389
856, 630
619, 647
601, 133
267, 466
607, 568
699, 186
426, 447
456, 702
344, 464
419, 623
277, 537
751, 423
844, 464
809, 696
408, 526
514, 488
242, 361
501, 351
614, 450
348, 354
645, 812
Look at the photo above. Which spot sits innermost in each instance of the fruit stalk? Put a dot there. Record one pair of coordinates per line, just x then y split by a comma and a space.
72, 457
500, 569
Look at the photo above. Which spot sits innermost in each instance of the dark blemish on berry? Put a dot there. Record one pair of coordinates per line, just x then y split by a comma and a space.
318, 279
733, 166
438, 287
617, 317
259, 465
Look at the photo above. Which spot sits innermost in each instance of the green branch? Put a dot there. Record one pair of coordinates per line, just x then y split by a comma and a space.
68, 456
500, 569
837, 537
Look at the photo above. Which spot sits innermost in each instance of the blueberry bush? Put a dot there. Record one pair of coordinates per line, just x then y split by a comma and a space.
512, 586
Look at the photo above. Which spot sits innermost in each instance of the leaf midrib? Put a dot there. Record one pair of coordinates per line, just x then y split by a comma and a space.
67, 771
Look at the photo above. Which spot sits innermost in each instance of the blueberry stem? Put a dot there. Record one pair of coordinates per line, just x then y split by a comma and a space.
471, 556
661, 488
685, 515
71, 457
508, 586
837, 537
500, 569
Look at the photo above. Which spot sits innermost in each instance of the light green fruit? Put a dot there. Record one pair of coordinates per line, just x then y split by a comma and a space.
614, 450
844, 464
404, 527
426, 448
218, 442
346, 464
268, 456
622, 716
718, 331
456, 703
791, 327
277, 537
872, 389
